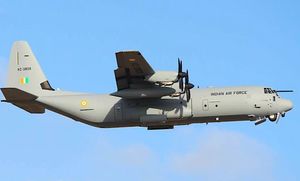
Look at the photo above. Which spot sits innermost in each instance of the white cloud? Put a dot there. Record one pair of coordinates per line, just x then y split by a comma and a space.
133, 161
226, 155
133, 156
136, 155
213, 155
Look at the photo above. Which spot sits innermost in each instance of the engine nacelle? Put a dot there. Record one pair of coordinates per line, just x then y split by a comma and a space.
163, 77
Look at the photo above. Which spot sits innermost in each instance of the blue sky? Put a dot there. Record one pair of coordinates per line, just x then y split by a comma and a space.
222, 43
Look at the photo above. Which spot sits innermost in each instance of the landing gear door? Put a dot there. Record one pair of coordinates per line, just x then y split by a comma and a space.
205, 105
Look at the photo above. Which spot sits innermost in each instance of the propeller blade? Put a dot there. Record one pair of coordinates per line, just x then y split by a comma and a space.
187, 79
188, 86
179, 66
188, 95
181, 84
180, 75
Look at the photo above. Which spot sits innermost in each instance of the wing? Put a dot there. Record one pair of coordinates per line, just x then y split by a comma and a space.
132, 70
132, 77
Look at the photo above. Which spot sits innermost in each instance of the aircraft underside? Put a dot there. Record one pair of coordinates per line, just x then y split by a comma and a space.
169, 124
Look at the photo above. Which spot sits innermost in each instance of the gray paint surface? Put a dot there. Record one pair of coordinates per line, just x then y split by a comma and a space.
140, 104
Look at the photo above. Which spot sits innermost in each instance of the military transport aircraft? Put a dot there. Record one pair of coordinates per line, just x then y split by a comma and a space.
144, 97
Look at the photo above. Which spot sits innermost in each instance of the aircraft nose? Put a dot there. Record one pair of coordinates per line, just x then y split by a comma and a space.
287, 105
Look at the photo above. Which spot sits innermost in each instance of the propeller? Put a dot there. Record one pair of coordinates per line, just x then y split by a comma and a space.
186, 86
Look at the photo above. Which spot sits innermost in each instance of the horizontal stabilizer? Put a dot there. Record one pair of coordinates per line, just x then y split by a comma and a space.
22, 99
17, 95
31, 107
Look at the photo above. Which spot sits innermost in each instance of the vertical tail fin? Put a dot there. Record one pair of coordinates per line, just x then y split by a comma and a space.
24, 71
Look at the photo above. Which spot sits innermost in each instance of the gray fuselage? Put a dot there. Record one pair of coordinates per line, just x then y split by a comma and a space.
207, 105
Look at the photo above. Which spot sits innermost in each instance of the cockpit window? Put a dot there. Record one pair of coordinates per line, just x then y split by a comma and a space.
269, 91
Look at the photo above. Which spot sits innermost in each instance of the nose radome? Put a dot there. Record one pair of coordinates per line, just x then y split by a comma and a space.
287, 104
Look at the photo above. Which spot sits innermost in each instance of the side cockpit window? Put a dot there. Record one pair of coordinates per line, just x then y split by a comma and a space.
269, 91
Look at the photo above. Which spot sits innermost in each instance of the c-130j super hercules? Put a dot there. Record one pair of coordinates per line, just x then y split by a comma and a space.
145, 98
